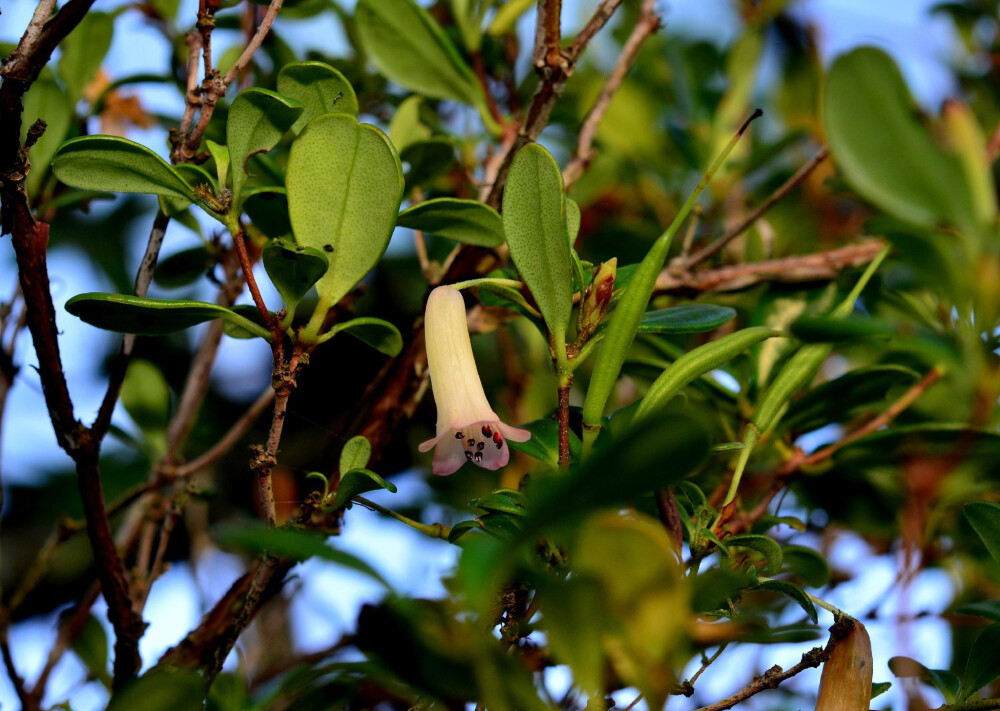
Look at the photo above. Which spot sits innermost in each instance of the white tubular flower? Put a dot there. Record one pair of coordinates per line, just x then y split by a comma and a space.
467, 428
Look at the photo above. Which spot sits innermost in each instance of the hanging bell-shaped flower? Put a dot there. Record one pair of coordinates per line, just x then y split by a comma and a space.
467, 428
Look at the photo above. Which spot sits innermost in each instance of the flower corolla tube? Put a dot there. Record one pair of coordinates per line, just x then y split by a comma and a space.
467, 428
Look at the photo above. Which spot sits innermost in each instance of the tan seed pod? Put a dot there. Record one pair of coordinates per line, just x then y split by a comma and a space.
846, 684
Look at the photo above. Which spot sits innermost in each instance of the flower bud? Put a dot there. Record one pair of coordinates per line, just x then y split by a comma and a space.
846, 684
599, 294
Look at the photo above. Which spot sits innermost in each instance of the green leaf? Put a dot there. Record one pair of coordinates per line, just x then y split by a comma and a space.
883, 149
572, 220
356, 482
257, 120
689, 318
544, 442
355, 454
469, 17
808, 565
941, 679
696, 363
637, 462
983, 666
534, 222
117, 165
408, 46
427, 160
344, 186
984, 517
91, 646
291, 543
405, 129
46, 101
879, 688
293, 269
320, 89
83, 50
150, 317
267, 209
161, 690
793, 591
823, 329
380, 335
465, 221
766, 546
145, 396
989, 609
183, 268
220, 154
248, 314
507, 501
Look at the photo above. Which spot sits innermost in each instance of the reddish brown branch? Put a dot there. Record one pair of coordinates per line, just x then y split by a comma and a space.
564, 422
821, 266
600, 18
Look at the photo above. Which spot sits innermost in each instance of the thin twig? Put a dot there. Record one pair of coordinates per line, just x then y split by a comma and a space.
714, 248
876, 423
647, 24
229, 440
707, 663
254, 44
801, 460
600, 18
774, 676
434, 530
143, 278
264, 458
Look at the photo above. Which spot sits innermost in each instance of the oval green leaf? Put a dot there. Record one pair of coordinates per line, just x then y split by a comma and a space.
534, 223
355, 454
320, 89
151, 317
183, 268
267, 209
258, 118
465, 221
882, 148
380, 335
344, 184
293, 269
357, 482
117, 165
984, 516
46, 101
407, 45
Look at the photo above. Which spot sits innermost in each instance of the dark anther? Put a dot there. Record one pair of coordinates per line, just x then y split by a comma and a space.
497, 438
468, 454
479, 457
499, 445
459, 435
470, 441
487, 431
480, 446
